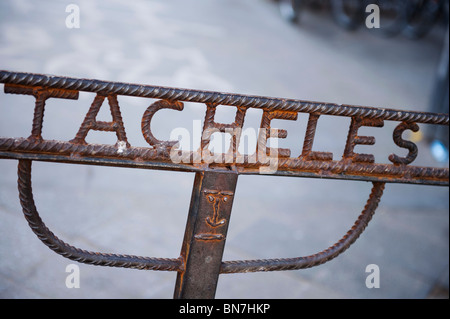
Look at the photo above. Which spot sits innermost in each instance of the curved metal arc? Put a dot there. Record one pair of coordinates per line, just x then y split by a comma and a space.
137, 262
317, 259
77, 254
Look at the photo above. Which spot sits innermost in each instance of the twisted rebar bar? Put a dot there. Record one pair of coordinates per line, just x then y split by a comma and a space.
317, 259
71, 252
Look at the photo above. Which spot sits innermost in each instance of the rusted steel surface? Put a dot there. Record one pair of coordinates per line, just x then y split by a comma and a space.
77, 254
216, 98
205, 235
158, 155
319, 258
200, 262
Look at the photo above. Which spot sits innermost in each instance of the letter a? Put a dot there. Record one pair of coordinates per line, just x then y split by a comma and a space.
373, 19
90, 122
73, 279
373, 279
73, 19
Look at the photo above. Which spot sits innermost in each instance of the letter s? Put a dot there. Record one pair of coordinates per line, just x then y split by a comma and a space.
398, 140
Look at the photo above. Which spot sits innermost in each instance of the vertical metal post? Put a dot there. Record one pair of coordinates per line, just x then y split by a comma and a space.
205, 234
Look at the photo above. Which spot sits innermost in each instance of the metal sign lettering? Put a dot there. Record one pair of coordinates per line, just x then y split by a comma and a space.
164, 154
200, 261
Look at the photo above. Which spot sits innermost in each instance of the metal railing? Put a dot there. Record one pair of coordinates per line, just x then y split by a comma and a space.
200, 262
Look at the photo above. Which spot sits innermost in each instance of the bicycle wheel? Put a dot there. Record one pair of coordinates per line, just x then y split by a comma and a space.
290, 9
423, 18
347, 13
393, 15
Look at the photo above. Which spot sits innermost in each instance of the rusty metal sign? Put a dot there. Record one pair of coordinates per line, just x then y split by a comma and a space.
200, 262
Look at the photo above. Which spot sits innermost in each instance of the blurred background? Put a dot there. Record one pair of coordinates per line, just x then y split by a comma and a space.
309, 50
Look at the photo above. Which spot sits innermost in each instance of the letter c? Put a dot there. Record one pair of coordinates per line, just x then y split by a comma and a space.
147, 118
